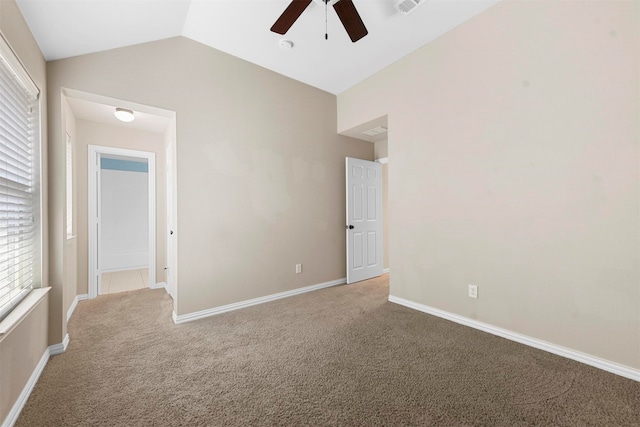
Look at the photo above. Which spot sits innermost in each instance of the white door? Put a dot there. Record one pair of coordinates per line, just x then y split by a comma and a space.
364, 220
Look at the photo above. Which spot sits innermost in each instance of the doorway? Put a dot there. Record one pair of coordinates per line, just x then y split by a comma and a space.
368, 249
364, 220
122, 220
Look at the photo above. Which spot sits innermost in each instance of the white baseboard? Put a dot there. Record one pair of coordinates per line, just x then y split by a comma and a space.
56, 349
386, 270
52, 350
248, 303
606, 365
75, 303
159, 285
162, 285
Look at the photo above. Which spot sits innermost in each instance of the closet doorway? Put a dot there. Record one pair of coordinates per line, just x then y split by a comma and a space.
122, 216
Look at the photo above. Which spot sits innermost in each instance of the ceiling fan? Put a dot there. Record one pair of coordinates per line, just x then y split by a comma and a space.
344, 8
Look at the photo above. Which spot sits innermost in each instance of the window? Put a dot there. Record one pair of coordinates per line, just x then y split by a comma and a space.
69, 188
20, 235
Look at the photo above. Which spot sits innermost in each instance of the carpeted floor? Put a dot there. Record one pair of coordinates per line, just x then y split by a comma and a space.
341, 356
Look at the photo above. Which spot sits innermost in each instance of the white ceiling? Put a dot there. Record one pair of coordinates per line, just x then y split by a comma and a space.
65, 28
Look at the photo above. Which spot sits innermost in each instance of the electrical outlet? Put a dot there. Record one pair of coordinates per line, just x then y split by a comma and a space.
473, 291
298, 268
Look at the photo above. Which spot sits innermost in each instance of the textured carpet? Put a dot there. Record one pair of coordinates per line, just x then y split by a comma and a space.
340, 356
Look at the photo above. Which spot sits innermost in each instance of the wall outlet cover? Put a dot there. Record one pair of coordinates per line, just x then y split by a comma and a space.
473, 291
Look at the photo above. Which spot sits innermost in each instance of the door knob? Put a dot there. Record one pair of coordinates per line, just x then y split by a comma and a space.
350, 227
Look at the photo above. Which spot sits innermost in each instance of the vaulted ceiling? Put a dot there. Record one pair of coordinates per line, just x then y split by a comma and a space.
66, 28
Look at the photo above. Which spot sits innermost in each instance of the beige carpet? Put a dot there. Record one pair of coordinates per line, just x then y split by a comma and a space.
341, 356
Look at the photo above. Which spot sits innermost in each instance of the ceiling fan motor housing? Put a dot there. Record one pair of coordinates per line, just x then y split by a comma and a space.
345, 9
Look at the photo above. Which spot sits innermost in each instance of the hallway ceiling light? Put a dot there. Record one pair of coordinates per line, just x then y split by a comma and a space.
124, 115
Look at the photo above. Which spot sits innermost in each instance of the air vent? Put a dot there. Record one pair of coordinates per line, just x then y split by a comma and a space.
408, 6
375, 131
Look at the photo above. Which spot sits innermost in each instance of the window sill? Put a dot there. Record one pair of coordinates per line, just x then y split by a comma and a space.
21, 311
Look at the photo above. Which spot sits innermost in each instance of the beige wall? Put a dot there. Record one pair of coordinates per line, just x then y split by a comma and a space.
260, 168
380, 152
22, 348
92, 133
514, 142
20, 352
381, 149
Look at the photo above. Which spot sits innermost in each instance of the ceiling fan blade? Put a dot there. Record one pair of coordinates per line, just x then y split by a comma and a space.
290, 15
350, 19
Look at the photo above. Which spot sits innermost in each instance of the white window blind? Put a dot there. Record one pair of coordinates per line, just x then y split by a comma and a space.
19, 143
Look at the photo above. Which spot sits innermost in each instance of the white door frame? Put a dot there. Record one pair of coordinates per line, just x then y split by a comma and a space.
172, 213
94, 208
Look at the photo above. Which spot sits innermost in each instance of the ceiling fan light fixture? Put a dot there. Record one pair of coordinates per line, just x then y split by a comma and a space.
124, 115
285, 44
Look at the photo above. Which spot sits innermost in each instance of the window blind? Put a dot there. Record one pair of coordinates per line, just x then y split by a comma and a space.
19, 135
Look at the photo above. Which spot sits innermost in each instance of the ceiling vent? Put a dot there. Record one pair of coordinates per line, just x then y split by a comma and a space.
375, 131
408, 6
